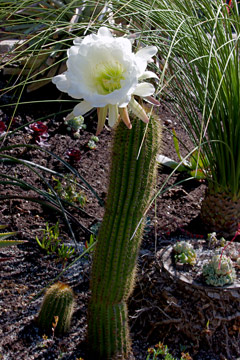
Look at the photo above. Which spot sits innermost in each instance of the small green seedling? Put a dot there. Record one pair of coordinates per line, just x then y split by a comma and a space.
160, 351
89, 243
214, 242
67, 190
184, 253
52, 244
75, 125
65, 252
95, 138
50, 240
92, 144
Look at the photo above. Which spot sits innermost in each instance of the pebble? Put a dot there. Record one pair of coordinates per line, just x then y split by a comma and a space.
7, 45
168, 122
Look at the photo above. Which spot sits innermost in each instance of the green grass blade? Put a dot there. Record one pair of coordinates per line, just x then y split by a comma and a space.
6, 243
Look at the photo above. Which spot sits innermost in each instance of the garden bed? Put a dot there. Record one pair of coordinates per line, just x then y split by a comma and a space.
28, 269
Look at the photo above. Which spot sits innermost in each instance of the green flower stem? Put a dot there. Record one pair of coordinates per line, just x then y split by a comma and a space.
131, 183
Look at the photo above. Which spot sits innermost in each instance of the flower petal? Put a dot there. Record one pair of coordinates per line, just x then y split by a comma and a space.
104, 31
125, 117
148, 75
143, 56
144, 89
152, 100
112, 115
146, 53
70, 116
102, 114
82, 108
61, 82
138, 110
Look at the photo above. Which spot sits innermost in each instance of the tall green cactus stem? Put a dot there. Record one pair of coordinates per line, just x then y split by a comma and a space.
58, 301
132, 178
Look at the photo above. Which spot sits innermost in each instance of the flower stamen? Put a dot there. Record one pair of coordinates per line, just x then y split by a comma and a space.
108, 77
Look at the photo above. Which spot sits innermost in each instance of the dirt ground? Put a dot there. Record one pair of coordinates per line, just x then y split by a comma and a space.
27, 269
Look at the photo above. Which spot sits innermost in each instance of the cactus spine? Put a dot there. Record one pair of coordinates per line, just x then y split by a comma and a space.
58, 301
132, 178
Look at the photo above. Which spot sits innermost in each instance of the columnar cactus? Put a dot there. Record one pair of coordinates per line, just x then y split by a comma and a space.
132, 178
57, 302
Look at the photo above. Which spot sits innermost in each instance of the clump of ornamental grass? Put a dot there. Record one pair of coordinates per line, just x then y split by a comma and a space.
38, 33
202, 57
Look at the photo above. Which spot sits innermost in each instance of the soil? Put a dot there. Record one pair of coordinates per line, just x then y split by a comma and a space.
159, 309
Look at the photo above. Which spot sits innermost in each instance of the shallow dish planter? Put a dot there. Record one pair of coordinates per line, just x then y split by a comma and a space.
202, 313
192, 275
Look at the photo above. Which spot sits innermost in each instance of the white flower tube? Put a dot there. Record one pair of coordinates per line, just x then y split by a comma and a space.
104, 72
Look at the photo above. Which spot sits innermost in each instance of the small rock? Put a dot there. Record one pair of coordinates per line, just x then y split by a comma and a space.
213, 295
168, 122
7, 45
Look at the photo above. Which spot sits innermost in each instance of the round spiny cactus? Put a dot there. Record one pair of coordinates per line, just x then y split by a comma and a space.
56, 309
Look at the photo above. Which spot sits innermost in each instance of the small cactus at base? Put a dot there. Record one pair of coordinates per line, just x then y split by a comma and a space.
58, 302
184, 253
219, 271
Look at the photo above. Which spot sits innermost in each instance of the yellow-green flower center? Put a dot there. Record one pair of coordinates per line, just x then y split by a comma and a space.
108, 77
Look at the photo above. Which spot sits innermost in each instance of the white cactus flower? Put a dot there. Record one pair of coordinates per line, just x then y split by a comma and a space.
104, 72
